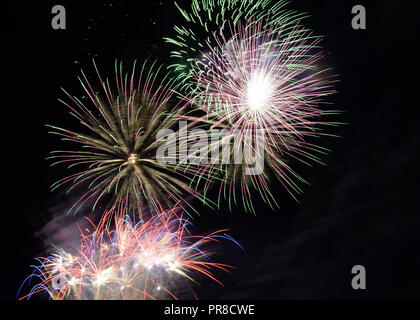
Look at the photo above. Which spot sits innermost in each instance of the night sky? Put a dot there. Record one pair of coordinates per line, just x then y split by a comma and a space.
362, 208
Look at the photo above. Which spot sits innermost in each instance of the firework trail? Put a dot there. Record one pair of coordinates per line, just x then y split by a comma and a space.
157, 259
116, 148
262, 81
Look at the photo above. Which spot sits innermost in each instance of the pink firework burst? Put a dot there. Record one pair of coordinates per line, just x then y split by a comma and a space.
266, 87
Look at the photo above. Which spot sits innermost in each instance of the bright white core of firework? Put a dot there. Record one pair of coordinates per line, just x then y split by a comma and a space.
258, 91
102, 277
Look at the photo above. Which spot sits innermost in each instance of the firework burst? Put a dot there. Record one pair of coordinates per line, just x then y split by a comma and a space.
157, 259
266, 87
116, 154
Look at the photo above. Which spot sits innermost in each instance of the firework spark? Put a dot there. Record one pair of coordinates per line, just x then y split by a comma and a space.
157, 259
116, 152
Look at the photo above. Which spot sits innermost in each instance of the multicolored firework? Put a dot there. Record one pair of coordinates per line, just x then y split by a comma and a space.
155, 259
207, 18
264, 82
117, 154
